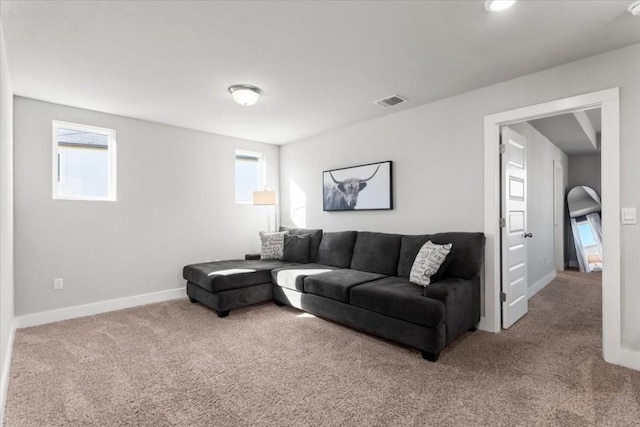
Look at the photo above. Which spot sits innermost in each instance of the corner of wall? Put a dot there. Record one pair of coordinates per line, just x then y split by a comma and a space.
7, 326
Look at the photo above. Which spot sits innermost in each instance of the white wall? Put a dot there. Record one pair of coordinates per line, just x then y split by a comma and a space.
584, 169
541, 154
437, 151
175, 207
424, 182
6, 220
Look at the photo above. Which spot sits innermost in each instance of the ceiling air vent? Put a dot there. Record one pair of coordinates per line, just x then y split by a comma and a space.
390, 101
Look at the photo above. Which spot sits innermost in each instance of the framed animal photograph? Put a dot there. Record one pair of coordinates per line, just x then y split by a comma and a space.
364, 187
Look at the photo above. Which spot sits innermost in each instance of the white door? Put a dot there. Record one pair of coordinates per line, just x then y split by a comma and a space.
514, 234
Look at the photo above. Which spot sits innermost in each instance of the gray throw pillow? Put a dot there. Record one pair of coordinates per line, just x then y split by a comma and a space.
296, 248
315, 235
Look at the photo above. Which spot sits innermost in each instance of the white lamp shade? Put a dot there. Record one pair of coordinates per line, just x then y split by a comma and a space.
264, 197
245, 94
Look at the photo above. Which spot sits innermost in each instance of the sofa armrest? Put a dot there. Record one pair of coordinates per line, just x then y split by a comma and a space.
461, 298
252, 257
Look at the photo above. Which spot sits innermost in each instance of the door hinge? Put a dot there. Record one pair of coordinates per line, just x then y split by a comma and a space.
503, 222
503, 296
503, 148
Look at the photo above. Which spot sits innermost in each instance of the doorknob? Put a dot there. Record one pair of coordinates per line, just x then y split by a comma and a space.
527, 235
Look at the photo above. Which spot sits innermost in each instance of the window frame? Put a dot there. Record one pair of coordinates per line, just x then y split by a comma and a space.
111, 155
262, 173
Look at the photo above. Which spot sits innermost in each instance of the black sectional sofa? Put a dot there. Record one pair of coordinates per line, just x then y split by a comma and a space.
359, 279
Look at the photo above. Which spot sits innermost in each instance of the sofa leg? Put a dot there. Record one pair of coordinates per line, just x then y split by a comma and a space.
474, 328
223, 313
192, 300
278, 303
431, 357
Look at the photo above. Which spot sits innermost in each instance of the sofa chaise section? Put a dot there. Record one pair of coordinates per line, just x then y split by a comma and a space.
225, 285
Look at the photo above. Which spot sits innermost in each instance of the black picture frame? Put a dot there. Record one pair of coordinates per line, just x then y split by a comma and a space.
367, 187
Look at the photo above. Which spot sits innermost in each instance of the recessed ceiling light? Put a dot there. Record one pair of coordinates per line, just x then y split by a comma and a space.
634, 8
245, 94
498, 5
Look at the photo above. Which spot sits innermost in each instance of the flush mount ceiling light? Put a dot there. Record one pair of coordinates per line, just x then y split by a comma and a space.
245, 94
634, 8
498, 5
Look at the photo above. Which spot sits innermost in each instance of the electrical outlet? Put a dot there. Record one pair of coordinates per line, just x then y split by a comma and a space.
58, 284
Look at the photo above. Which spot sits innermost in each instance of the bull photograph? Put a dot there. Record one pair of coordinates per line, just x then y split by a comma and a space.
364, 187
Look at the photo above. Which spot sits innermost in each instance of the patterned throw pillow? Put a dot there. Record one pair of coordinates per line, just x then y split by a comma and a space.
427, 263
272, 245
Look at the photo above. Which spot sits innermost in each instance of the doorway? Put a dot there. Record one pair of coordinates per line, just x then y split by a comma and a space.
533, 248
609, 102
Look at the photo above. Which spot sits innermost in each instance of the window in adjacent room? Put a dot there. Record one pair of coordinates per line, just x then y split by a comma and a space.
250, 173
84, 162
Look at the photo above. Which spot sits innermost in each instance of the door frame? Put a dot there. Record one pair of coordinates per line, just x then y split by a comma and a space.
558, 216
609, 102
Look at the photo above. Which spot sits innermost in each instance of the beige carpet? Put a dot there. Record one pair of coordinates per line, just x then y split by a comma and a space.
177, 363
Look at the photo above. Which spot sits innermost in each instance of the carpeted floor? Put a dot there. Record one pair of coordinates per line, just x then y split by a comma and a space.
177, 363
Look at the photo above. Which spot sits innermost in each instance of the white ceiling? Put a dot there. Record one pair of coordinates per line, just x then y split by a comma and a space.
566, 133
320, 64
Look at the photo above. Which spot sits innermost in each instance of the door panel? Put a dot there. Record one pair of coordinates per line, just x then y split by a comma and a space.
516, 188
516, 222
514, 210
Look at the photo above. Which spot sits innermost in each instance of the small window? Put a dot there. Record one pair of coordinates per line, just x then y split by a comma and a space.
84, 162
249, 175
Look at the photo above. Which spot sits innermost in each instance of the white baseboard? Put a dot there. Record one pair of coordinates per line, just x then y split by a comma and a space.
629, 359
6, 370
484, 325
51, 316
540, 284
